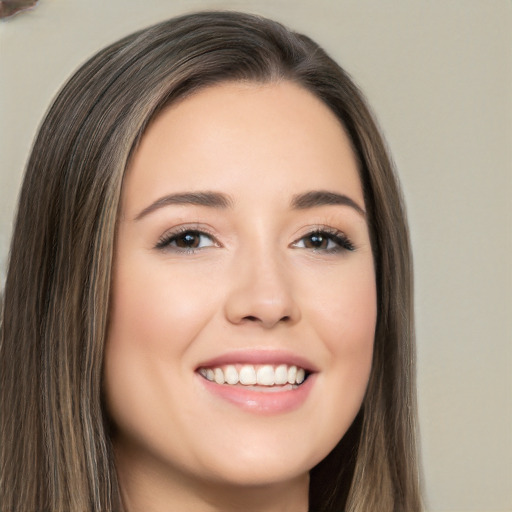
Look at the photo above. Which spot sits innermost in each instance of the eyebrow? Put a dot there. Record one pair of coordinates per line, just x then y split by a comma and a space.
312, 199
317, 198
209, 199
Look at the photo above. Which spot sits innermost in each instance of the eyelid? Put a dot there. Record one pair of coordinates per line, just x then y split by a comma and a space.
335, 235
344, 243
163, 242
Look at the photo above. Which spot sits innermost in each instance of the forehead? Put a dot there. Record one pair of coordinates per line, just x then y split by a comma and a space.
241, 135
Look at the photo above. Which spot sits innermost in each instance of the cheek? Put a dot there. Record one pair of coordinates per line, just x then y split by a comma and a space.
352, 330
345, 320
155, 316
158, 309
345, 308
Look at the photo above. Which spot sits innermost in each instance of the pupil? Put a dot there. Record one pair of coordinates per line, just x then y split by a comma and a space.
317, 241
188, 240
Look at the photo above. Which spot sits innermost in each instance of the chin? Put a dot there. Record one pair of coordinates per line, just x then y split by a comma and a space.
260, 464
258, 473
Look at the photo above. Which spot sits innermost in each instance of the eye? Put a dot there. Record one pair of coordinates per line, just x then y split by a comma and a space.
323, 240
187, 240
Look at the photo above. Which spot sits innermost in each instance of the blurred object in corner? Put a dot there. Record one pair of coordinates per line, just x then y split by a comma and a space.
11, 7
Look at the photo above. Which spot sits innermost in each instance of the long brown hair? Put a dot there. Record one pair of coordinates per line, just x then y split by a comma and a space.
56, 453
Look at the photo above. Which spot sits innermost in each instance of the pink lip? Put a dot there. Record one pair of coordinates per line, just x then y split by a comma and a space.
275, 357
261, 402
264, 401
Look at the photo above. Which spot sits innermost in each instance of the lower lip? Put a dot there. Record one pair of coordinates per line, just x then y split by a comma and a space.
262, 402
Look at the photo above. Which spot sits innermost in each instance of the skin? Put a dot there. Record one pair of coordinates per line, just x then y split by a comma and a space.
255, 282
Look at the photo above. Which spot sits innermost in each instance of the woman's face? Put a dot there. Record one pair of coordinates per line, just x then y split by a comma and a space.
243, 254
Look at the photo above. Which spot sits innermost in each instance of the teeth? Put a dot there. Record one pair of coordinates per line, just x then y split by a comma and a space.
218, 375
292, 374
231, 375
265, 376
281, 374
249, 375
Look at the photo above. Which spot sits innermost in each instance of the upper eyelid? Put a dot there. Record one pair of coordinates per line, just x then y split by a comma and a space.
185, 228
330, 231
207, 231
168, 235
320, 228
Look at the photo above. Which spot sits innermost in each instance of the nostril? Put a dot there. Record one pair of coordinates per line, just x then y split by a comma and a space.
250, 318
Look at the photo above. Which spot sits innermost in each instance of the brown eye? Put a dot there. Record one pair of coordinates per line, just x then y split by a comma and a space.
189, 240
316, 241
325, 241
186, 241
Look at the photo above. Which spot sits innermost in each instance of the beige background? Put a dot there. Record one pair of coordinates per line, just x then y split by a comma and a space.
439, 76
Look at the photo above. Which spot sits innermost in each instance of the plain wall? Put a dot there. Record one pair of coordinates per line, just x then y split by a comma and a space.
439, 76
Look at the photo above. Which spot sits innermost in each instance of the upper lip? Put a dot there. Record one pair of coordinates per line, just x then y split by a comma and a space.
256, 357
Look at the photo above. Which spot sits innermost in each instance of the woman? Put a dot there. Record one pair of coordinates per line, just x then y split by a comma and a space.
209, 303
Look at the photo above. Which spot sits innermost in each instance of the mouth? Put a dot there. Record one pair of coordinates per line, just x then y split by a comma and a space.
258, 377
267, 382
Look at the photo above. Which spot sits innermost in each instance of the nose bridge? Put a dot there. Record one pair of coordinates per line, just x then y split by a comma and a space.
261, 290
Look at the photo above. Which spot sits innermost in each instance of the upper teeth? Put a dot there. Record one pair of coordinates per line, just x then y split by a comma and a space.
249, 375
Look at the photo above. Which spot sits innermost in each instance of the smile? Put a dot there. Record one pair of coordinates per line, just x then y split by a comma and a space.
259, 381
255, 375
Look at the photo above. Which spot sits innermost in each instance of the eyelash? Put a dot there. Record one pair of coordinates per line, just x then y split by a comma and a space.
341, 241
168, 238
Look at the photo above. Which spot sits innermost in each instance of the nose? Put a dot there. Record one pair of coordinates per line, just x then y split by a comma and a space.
261, 293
